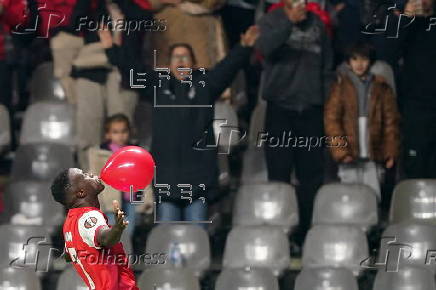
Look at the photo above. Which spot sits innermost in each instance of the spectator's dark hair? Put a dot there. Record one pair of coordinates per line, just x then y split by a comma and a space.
363, 49
60, 185
116, 118
185, 45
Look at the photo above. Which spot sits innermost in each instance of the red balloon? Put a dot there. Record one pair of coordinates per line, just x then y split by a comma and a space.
129, 166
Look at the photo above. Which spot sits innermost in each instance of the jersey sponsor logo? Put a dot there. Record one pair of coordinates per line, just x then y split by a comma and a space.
90, 222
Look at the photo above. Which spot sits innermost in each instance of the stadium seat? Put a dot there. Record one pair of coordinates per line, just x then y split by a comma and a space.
192, 240
257, 246
335, 246
248, 278
168, 279
417, 243
30, 203
407, 278
69, 279
143, 123
41, 161
19, 279
44, 86
254, 167
19, 246
126, 239
225, 127
414, 200
326, 279
51, 122
273, 203
5, 129
353, 204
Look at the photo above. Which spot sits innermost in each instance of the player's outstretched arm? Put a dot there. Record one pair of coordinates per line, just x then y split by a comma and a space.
108, 237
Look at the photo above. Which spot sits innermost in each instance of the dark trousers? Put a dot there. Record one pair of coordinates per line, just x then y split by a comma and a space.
419, 141
5, 85
306, 127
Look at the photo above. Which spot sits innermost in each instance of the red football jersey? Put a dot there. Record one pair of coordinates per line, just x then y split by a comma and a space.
101, 269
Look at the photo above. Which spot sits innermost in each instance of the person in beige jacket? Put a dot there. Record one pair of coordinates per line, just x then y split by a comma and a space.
192, 22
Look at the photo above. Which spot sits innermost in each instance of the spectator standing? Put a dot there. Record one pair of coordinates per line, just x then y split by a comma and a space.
362, 108
298, 65
417, 91
182, 133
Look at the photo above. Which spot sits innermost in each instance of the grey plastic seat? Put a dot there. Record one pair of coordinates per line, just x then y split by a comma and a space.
257, 246
20, 244
326, 279
19, 279
273, 203
31, 203
143, 123
414, 200
407, 278
41, 161
249, 278
127, 243
254, 168
5, 128
225, 127
192, 240
49, 122
44, 86
417, 242
354, 204
335, 246
69, 279
168, 279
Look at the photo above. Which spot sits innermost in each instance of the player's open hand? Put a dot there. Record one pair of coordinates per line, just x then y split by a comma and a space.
120, 218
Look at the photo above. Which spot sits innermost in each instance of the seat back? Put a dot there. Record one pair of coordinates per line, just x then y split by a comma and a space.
168, 278
22, 279
257, 246
25, 246
225, 126
407, 278
69, 279
326, 279
41, 161
273, 203
31, 203
49, 122
254, 167
410, 244
190, 241
414, 200
335, 246
5, 128
354, 204
249, 278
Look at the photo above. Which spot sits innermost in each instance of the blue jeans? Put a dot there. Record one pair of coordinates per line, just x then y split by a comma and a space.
129, 211
196, 211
